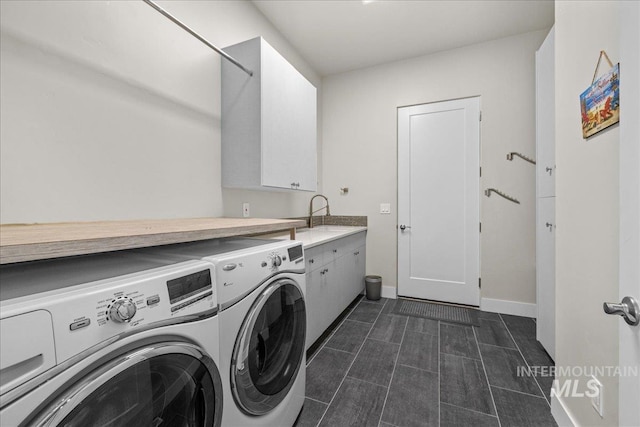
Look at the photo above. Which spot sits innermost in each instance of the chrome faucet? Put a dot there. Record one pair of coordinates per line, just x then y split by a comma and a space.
311, 211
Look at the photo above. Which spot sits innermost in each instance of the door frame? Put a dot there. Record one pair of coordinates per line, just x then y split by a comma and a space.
629, 274
476, 301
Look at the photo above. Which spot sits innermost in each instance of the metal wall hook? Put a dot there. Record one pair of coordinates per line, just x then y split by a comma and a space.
488, 192
522, 156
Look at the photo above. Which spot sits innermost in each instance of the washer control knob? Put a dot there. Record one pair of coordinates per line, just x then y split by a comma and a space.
123, 310
276, 261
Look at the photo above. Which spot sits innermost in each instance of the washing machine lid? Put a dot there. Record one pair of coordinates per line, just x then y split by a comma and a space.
269, 349
27, 348
169, 383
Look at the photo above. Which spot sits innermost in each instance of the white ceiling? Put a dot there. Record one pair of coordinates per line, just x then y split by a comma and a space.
341, 35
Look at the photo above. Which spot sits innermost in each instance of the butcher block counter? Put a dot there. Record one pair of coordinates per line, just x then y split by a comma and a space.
30, 242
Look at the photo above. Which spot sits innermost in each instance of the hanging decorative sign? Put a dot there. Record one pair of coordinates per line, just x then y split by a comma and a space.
600, 103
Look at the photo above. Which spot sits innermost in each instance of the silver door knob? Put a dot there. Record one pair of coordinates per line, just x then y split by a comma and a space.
628, 309
404, 227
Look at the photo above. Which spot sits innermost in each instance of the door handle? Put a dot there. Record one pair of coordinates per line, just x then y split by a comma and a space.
403, 227
628, 309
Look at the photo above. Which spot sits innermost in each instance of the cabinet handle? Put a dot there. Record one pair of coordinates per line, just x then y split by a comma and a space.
325, 271
311, 261
357, 253
549, 226
335, 251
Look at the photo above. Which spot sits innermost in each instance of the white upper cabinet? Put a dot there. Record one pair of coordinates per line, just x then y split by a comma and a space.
268, 122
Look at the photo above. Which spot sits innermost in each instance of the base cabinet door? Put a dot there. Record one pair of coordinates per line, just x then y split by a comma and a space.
317, 297
545, 274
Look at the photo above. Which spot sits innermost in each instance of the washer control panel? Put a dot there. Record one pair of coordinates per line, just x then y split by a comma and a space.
87, 316
252, 267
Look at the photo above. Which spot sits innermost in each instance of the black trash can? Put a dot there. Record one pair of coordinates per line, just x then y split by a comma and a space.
373, 285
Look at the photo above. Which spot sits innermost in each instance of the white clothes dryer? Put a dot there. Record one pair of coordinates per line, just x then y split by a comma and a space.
262, 317
109, 340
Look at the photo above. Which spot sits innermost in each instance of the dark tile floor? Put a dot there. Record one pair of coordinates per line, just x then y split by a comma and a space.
384, 369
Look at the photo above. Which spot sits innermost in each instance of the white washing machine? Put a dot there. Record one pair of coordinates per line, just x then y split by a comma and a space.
109, 340
261, 288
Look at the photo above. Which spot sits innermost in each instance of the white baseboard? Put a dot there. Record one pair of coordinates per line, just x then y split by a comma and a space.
560, 412
389, 292
508, 307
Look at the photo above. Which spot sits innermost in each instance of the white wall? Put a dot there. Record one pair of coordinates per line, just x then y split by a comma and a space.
360, 150
587, 208
111, 111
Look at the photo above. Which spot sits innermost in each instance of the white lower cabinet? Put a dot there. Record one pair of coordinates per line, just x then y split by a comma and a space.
335, 276
546, 274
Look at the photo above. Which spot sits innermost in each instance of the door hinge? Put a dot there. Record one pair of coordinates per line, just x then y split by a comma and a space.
480, 171
480, 282
481, 227
480, 115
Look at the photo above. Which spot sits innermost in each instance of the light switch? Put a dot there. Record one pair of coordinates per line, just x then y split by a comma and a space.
385, 208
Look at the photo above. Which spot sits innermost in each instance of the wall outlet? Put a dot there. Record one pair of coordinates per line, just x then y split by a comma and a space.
595, 392
245, 210
385, 208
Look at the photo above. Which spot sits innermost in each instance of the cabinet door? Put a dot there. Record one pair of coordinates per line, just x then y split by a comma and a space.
545, 118
288, 125
316, 301
348, 280
359, 270
314, 257
545, 271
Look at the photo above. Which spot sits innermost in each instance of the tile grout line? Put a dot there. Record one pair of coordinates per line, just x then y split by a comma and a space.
466, 409
458, 355
358, 321
395, 364
420, 369
352, 362
364, 381
337, 349
316, 400
525, 361
486, 376
499, 346
520, 392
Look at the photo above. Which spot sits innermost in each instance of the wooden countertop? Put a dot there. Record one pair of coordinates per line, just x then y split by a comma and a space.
30, 242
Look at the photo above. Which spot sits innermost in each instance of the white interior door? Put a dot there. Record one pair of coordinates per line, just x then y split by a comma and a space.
629, 386
438, 201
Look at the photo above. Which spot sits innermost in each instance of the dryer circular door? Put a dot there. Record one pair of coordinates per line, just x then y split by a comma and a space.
165, 384
269, 348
